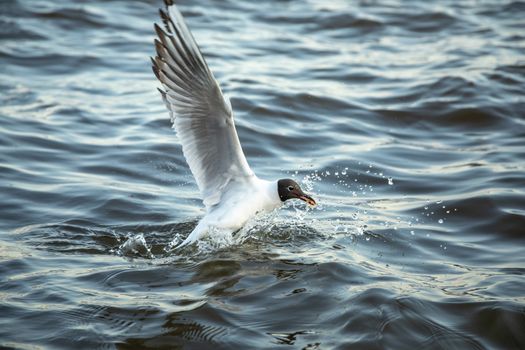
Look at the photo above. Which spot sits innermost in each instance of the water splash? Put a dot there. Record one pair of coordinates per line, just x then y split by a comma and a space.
135, 246
367, 215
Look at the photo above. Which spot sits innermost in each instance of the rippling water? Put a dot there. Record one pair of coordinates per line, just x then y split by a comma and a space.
406, 119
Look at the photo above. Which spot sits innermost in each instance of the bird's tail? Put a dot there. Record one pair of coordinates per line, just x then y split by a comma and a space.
198, 232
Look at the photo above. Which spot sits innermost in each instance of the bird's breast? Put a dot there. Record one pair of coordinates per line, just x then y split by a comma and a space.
235, 211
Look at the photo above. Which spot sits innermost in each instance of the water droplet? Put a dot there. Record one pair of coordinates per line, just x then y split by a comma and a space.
390, 181
412, 232
440, 221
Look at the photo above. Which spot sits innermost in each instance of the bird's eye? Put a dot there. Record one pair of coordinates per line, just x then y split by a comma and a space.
290, 188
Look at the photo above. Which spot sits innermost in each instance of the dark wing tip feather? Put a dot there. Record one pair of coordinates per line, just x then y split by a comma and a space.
162, 93
159, 47
163, 14
160, 32
165, 19
155, 68
169, 2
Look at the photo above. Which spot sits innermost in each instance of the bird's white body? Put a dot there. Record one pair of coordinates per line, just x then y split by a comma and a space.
241, 201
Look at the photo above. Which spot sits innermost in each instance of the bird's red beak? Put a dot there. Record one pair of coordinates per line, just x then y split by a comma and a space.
309, 200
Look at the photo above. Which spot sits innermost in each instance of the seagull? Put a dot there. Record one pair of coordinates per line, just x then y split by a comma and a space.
203, 120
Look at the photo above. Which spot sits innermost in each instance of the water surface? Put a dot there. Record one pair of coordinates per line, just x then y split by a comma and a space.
405, 119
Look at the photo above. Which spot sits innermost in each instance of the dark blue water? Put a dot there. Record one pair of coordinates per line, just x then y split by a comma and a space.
405, 119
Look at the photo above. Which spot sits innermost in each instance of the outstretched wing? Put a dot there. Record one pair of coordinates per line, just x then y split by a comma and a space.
201, 115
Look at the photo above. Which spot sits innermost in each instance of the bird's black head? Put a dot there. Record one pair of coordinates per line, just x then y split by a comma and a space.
289, 189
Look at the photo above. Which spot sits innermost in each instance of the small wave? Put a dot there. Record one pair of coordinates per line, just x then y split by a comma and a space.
426, 22
12, 30
56, 63
76, 237
469, 118
71, 17
334, 21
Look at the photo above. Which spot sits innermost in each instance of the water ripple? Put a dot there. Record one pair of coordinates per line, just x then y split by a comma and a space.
405, 120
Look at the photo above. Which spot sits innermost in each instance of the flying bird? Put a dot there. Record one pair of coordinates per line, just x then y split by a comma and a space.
203, 120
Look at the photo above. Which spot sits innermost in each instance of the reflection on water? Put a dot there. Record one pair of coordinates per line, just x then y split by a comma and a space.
404, 119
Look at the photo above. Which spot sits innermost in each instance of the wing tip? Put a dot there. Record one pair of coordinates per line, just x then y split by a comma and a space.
160, 31
155, 67
159, 47
162, 92
164, 18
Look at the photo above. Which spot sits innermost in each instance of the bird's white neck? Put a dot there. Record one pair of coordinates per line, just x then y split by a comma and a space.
270, 190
